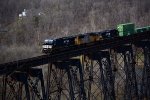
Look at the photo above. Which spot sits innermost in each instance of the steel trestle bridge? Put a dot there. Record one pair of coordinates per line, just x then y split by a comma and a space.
111, 69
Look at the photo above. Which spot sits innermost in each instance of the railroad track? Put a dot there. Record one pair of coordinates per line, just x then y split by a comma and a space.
7, 68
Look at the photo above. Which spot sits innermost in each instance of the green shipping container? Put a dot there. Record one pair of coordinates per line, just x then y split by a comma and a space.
126, 29
148, 27
143, 29
138, 30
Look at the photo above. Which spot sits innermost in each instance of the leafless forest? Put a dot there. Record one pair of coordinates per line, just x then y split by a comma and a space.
21, 37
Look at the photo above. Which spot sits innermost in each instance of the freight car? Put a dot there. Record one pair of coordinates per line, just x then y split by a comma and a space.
126, 29
51, 45
142, 29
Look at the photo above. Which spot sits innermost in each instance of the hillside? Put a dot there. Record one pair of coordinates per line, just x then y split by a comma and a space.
57, 18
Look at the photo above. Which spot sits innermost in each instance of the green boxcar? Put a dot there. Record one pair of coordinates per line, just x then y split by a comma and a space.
126, 29
148, 27
143, 29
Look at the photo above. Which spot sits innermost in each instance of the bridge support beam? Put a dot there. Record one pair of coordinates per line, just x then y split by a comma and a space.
14, 83
4, 87
105, 74
145, 86
131, 90
38, 75
75, 78
65, 78
13, 86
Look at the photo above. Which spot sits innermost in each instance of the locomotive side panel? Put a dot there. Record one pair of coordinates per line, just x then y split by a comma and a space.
79, 39
93, 37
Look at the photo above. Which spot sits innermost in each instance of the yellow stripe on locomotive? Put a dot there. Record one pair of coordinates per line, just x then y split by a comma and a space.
95, 37
87, 38
79, 39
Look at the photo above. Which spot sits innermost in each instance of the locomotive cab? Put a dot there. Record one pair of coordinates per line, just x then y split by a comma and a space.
47, 45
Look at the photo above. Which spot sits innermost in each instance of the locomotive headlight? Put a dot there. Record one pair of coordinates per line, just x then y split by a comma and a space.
47, 46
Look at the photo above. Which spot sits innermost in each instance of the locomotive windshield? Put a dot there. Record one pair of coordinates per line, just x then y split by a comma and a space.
48, 41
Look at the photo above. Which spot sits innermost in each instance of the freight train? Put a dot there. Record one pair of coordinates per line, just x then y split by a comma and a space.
52, 45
